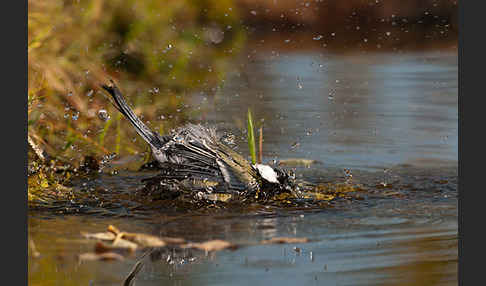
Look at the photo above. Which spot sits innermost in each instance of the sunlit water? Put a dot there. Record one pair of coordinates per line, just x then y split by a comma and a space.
388, 117
366, 111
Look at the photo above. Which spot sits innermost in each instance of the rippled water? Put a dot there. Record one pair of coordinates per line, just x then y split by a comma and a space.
366, 111
391, 118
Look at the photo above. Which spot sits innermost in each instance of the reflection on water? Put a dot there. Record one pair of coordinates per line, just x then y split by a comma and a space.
406, 235
363, 111
353, 248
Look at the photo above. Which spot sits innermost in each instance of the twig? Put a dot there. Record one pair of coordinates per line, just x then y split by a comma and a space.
130, 278
136, 268
38, 151
260, 146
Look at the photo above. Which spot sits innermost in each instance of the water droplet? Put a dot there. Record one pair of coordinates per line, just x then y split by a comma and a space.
103, 115
299, 83
333, 34
317, 38
90, 93
388, 33
253, 12
295, 145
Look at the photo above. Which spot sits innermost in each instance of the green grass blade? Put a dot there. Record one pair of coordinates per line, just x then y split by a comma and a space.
251, 138
105, 130
118, 133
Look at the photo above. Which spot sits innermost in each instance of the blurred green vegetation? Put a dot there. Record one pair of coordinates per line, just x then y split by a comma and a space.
156, 51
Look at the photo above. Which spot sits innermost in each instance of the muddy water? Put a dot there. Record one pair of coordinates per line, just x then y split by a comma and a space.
390, 118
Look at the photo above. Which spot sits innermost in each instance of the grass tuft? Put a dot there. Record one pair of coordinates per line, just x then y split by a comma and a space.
251, 138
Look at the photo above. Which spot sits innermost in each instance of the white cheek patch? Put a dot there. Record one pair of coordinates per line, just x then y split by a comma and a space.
267, 172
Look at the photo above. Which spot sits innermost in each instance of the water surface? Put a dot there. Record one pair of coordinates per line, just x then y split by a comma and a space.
389, 117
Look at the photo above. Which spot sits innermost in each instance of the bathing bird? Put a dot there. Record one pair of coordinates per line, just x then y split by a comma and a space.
196, 157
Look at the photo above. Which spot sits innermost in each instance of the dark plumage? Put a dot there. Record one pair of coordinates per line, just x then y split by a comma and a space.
196, 155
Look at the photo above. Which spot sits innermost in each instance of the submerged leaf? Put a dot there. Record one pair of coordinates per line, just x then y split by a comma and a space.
281, 240
99, 235
102, 256
119, 245
145, 240
211, 245
297, 162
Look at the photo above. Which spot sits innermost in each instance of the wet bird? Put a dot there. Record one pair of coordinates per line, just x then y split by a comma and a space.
198, 156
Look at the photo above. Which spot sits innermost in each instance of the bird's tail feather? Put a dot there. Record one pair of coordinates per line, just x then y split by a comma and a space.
119, 102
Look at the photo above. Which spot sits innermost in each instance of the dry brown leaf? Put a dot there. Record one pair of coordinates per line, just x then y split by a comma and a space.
132, 240
212, 245
100, 256
32, 249
123, 243
120, 246
297, 162
173, 240
142, 239
100, 235
280, 240
113, 229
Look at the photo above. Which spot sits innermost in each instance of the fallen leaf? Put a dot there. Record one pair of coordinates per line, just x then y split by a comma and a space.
100, 256
101, 247
173, 240
120, 245
32, 250
280, 240
142, 239
123, 243
99, 235
113, 229
145, 240
297, 162
212, 245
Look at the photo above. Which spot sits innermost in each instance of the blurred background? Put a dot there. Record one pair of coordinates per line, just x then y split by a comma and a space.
158, 51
